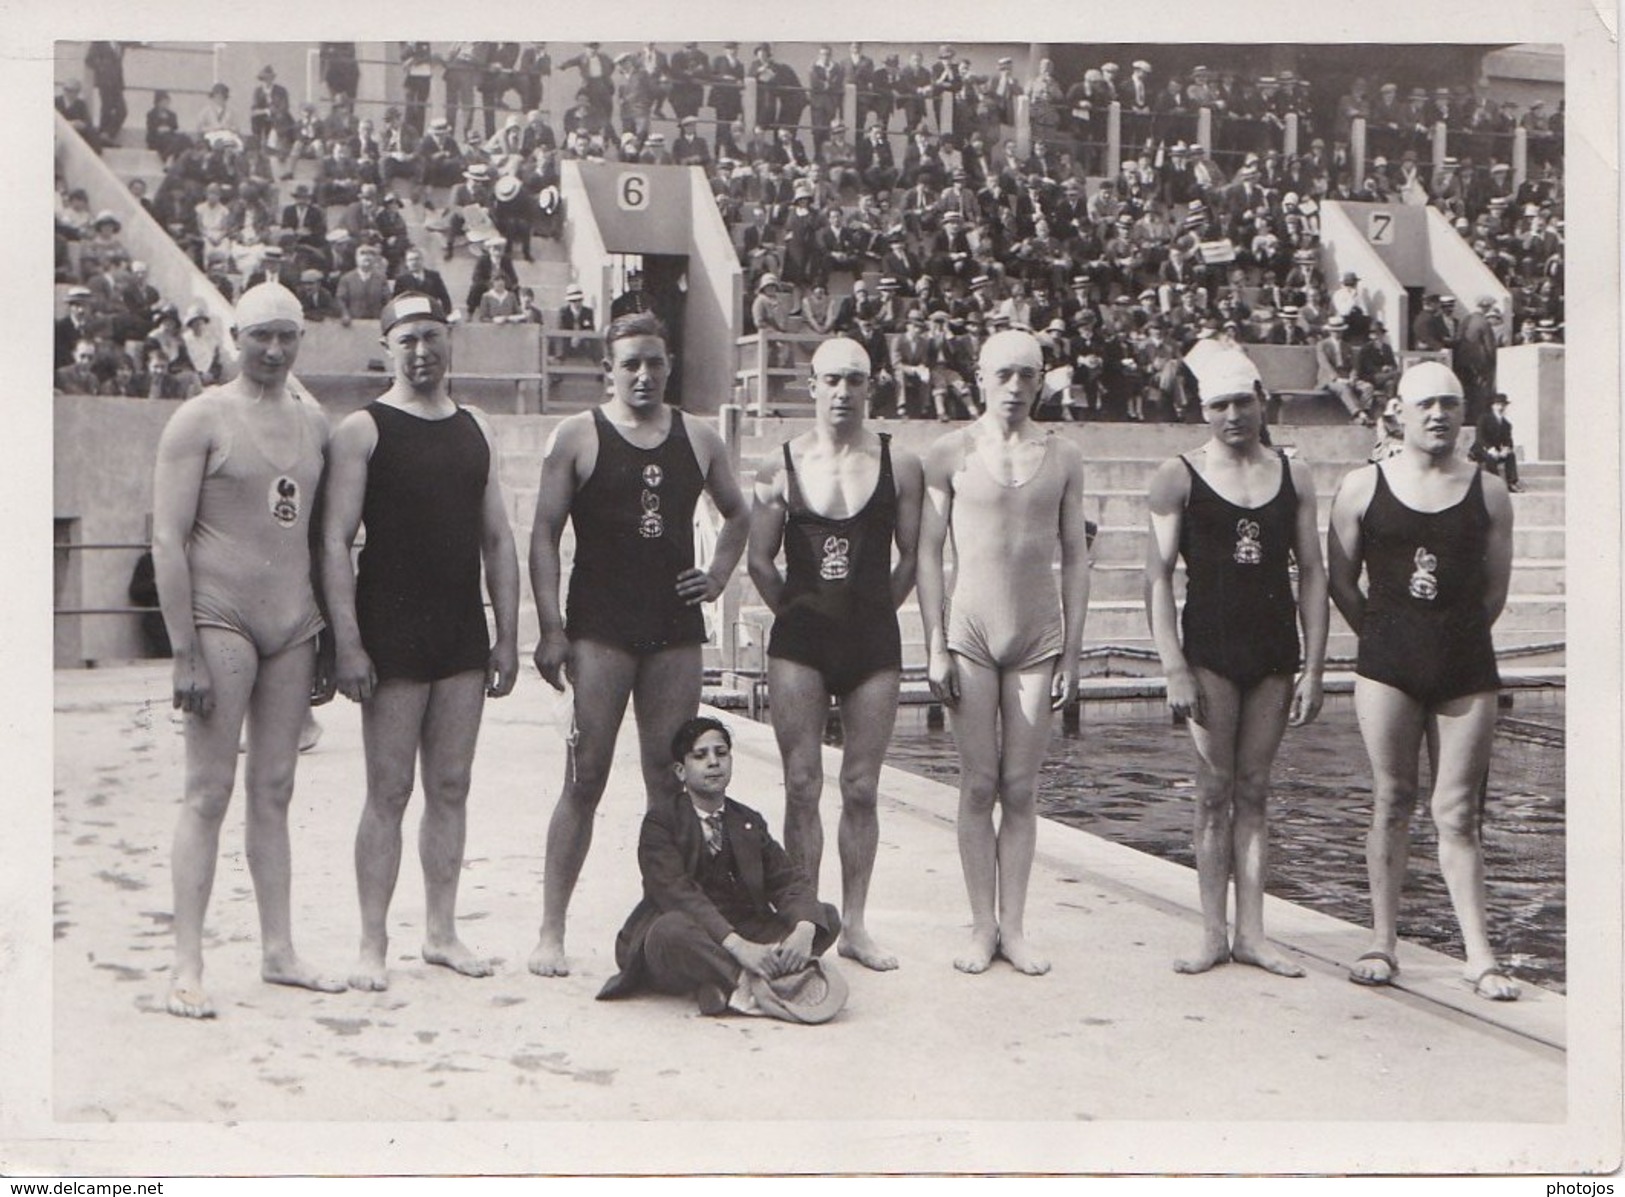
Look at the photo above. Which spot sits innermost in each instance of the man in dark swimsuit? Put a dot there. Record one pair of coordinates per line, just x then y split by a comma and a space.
628, 475
836, 500
1234, 518
1434, 535
421, 471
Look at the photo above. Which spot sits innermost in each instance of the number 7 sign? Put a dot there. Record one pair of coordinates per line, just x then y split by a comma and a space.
1379, 228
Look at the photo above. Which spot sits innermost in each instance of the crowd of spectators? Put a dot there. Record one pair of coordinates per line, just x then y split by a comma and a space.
919, 253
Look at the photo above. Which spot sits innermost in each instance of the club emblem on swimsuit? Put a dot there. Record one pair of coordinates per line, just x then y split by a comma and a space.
837, 563
652, 476
1423, 584
1248, 550
283, 500
651, 526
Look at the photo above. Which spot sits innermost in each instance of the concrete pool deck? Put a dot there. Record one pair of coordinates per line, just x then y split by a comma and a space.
1111, 1035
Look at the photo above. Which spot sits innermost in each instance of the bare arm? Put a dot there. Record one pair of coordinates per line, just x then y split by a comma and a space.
561, 468
501, 573
1498, 549
1169, 492
183, 452
910, 477
703, 586
344, 493
767, 519
1074, 577
1313, 613
936, 513
1344, 552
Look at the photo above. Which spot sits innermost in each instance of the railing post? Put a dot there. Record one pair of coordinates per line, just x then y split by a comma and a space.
1289, 136
547, 376
1357, 136
217, 59
729, 421
748, 105
313, 74
1204, 129
761, 373
1441, 144
1520, 157
849, 110
1114, 139
1024, 127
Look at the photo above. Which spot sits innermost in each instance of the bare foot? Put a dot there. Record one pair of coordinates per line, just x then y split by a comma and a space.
978, 954
548, 960
457, 957
1214, 952
1015, 949
290, 970
187, 999
370, 974
1266, 958
855, 944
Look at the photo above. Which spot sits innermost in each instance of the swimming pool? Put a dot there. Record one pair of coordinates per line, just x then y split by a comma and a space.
1127, 774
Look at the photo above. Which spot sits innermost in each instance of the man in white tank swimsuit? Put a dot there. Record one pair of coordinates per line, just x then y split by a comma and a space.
238, 469
1004, 651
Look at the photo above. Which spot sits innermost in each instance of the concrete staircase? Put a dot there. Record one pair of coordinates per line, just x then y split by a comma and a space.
1120, 461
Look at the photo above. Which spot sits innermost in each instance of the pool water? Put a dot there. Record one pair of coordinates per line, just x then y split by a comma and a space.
1127, 774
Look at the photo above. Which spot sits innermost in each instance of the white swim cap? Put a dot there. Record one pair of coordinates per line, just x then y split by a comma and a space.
840, 353
1220, 371
266, 303
1428, 380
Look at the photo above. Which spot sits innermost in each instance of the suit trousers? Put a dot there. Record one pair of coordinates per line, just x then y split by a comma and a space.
679, 957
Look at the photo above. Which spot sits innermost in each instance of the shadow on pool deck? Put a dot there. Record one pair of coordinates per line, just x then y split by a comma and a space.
1111, 1034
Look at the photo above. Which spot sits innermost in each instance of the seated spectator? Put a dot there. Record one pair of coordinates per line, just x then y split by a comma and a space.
499, 304
212, 219
1336, 372
203, 345
338, 175
362, 292
80, 376
318, 303
103, 246
71, 104
416, 277
216, 115
494, 259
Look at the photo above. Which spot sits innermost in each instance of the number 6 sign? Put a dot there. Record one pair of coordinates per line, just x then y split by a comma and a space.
632, 191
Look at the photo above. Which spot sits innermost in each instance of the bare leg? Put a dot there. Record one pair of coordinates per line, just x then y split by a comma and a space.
276, 714
1464, 730
976, 731
211, 770
602, 676
1214, 834
391, 724
799, 705
1264, 710
665, 696
451, 727
1391, 724
1025, 718
867, 716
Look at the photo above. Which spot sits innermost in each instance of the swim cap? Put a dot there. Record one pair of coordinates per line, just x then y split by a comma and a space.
267, 303
1221, 372
840, 353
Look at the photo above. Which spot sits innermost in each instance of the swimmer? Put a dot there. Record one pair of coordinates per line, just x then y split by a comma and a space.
1005, 658
836, 499
1234, 510
627, 475
1434, 535
420, 469
233, 521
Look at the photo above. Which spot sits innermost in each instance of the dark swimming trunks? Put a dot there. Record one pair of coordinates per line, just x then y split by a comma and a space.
1240, 618
418, 600
837, 614
634, 529
1425, 630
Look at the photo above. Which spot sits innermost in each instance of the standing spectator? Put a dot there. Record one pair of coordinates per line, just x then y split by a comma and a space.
340, 70
688, 70
417, 65
461, 72
727, 86
824, 92
914, 90
597, 78
635, 94
1045, 100
106, 63
858, 69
